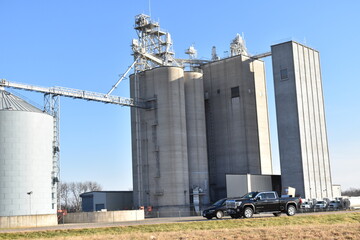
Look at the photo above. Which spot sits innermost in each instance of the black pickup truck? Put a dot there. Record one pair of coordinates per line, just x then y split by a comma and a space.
258, 202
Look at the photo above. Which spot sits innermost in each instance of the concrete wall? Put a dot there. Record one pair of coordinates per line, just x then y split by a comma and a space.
336, 190
236, 112
260, 183
26, 163
28, 221
258, 68
159, 140
304, 155
239, 185
97, 217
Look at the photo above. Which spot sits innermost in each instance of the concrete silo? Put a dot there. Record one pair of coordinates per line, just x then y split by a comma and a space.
196, 139
159, 142
26, 144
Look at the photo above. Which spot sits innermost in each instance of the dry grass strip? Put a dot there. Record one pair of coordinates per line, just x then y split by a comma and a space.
331, 226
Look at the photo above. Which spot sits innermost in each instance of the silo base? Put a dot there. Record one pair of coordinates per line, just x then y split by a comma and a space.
28, 221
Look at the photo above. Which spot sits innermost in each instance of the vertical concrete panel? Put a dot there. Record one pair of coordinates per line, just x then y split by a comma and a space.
318, 143
302, 107
306, 138
196, 134
236, 185
250, 116
311, 124
327, 185
262, 117
260, 183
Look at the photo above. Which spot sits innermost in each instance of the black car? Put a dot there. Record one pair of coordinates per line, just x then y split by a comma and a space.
218, 210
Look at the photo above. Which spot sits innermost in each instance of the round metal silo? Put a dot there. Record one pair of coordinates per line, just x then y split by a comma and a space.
26, 135
196, 139
160, 161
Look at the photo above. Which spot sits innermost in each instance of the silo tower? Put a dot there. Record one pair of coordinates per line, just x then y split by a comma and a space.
26, 164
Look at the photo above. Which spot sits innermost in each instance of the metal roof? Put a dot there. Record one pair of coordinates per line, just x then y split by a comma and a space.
11, 102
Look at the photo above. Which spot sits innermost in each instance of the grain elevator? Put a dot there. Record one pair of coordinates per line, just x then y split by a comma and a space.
206, 121
197, 127
200, 122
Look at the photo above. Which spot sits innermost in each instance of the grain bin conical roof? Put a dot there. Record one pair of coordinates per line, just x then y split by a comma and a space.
11, 102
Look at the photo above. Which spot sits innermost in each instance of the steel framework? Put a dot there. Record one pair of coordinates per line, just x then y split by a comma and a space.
52, 106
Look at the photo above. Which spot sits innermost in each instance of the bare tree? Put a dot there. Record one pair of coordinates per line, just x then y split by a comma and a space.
69, 193
351, 192
63, 195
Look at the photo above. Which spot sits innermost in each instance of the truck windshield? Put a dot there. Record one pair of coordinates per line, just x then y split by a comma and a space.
250, 195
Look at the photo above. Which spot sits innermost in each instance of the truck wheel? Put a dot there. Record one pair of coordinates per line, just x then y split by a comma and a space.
277, 214
219, 214
248, 212
291, 210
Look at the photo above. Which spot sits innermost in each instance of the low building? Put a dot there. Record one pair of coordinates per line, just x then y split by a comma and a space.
109, 200
336, 190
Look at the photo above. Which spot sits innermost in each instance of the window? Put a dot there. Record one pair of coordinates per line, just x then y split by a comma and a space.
262, 196
235, 92
283, 74
270, 195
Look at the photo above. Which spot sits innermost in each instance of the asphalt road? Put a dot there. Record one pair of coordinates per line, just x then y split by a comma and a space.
148, 221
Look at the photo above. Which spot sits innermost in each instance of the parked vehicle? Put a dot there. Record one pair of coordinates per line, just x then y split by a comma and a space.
218, 210
306, 205
321, 205
334, 205
258, 202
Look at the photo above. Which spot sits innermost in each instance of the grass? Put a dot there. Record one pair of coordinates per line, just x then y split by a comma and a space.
330, 226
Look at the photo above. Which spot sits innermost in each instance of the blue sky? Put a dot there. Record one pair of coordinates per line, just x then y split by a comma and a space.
85, 44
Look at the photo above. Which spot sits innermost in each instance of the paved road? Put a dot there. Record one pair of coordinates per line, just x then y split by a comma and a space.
144, 222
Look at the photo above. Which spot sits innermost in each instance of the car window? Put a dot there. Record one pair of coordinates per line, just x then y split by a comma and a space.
262, 196
270, 195
250, 195
220, 202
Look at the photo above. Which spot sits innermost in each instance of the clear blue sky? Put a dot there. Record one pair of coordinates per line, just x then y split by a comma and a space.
85, 44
